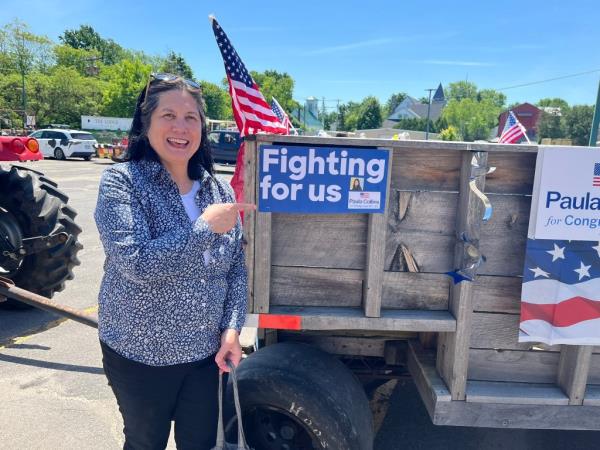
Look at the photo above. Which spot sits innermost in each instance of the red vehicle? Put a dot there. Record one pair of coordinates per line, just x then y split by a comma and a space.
14, 148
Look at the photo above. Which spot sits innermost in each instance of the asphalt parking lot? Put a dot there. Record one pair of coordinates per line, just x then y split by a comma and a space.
54, 395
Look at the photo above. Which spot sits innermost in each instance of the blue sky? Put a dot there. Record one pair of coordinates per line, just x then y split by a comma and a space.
350, 49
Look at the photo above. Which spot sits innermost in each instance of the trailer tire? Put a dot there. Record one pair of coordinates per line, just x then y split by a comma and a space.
40, 209
295, 396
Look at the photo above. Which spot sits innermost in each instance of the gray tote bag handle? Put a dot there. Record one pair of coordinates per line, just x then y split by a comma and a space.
221, 444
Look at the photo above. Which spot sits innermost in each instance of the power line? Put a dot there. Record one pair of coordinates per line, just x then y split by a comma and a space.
549, 79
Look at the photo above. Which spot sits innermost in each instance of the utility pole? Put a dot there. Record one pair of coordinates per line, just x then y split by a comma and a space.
22, 64
428, 112
595, 121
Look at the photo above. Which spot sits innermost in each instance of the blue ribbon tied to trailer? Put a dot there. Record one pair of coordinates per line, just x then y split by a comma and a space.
322, 180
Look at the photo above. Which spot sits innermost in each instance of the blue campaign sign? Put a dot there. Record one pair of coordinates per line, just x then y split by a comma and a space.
324, 180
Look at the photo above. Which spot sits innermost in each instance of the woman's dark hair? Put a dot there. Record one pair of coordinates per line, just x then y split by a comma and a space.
139, 146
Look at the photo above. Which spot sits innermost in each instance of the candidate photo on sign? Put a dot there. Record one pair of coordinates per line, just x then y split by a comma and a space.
356, 184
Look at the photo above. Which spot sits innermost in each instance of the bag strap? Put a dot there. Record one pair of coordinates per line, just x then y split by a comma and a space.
220, 443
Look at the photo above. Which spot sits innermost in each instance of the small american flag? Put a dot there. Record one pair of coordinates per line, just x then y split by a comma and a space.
251, 111
281, 115
513, 130
596, 179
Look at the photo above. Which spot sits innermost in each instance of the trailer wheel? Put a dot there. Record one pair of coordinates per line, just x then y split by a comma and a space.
296, 397
32, 206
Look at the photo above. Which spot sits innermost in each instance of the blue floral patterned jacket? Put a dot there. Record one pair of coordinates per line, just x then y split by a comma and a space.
170, 286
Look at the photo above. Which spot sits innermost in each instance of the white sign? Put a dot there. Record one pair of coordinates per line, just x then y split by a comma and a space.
30, 122
105, 123
566, 194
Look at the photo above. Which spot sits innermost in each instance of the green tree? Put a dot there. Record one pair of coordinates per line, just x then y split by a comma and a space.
369, 114
449, 134
348, 116
176, 64
473, 119
64, 96
123, 84
474, 113
496, 98
86, 38
218, 102
578, 123
278, 85
554, 102
84, 61
393, 102
552, 123
460, 90
416, 125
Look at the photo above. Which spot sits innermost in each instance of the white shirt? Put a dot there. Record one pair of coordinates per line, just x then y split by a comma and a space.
189, 202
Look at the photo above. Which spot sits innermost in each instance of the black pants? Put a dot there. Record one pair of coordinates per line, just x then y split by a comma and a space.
151, 397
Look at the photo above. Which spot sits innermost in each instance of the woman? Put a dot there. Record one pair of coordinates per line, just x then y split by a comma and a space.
173, 297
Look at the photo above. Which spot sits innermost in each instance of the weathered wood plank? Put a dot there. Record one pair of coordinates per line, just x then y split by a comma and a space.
319, 318
425, 146
594, 374
501, 331
319, 240
515, 393
573, 369
443, 411
497, 294
374, 264
513, 175
250, 216
427, 231
504, 236
305, 286
262, 255
533, 366
592, 395
338, 345
417, 171
421, 365
498, 415
406, 290
453, 348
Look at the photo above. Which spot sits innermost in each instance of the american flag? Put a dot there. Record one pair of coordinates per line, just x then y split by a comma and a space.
281, 115
596, 179
560, 297
513, 130
251, 111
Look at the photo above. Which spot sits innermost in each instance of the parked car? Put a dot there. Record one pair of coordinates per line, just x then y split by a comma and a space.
63, 144
224, 145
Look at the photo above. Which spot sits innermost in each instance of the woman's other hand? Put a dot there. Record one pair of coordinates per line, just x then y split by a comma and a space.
230, 349
221, 217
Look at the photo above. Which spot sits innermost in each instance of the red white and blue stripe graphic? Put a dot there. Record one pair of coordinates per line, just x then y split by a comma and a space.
560, 297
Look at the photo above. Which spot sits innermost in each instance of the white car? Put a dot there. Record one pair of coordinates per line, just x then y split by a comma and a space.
63, 144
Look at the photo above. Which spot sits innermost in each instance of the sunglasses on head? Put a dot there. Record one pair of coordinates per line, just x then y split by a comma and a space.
169, 77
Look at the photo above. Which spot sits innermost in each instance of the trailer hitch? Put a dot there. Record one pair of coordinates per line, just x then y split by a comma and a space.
8, 289
33, 245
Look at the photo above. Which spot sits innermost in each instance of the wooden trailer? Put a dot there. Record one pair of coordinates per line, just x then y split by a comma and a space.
376, 285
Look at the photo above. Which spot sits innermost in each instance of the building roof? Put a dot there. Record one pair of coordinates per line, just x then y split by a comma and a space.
411, 108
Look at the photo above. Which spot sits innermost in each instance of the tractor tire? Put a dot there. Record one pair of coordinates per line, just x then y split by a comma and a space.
39, 209
294, 396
